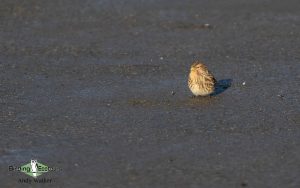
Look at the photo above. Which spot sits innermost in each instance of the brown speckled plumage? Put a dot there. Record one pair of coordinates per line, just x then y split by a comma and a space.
201, 81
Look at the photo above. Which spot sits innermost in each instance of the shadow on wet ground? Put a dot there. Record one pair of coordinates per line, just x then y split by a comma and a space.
221, 86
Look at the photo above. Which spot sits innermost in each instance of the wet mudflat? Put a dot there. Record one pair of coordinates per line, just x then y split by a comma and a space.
99, 89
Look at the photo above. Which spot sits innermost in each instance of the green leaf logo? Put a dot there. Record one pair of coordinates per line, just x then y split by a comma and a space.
34, 168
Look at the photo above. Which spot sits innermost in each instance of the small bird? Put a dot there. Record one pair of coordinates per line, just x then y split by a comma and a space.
201, 82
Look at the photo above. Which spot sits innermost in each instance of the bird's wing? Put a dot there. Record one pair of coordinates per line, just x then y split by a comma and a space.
212, 77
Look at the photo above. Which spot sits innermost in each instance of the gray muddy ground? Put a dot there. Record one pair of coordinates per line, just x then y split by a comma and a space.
98, 88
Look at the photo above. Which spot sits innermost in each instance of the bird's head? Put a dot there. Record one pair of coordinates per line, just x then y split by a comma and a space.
198, 67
